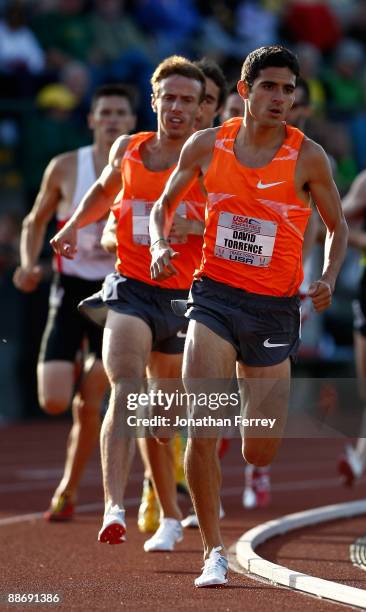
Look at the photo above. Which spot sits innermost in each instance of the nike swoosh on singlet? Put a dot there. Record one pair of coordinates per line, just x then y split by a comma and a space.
268, 344
261, 185
181, 334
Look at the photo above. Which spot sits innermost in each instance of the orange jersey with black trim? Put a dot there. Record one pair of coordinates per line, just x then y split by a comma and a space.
141, 188
255, 222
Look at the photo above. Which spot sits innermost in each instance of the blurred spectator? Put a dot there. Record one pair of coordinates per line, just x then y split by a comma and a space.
356, 27
121, 52
21, 57
249, 12
346, 95
344, 87
310, 60
10, 224
65, 32
171, 22
217, 37
49, 131
312, 21
345, 10
76, 78
115, 33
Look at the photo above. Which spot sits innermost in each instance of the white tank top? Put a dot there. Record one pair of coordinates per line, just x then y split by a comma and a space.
91, 261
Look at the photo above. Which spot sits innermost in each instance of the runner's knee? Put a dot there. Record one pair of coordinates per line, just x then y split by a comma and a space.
54, 405
259, 452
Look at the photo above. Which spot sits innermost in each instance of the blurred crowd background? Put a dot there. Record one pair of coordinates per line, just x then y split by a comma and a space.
53, 53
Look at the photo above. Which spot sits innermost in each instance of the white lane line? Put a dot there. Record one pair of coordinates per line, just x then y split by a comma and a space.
298, 485
48, 483
22, 518
278, 574
235, 566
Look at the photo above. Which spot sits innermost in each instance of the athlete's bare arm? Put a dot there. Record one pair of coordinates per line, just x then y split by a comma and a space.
354, 208
109, 239
96, 202
29, 273
194, 160
316, 174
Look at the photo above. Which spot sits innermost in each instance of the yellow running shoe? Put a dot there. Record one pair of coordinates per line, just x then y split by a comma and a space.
148, 518
61, 509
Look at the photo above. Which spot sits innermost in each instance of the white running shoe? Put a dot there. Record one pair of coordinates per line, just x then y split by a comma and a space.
169, 533
191, 521
214, 570
350, 466
249, 499
113, 530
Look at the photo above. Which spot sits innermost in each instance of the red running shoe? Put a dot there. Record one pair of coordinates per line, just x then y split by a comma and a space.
257, 491
61, 509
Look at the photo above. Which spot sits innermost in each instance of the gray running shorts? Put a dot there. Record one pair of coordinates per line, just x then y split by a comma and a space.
264, 330
150, 303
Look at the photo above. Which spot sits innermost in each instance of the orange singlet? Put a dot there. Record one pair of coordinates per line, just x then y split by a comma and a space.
255, 221
141, 188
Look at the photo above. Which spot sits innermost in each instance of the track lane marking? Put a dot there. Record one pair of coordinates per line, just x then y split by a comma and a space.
278, 574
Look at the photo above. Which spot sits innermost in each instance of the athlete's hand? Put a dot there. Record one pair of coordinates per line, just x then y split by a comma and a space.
320, 293
64, 242
27, 279
161, 266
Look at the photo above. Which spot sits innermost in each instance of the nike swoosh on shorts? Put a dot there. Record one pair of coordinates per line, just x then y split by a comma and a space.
268, 344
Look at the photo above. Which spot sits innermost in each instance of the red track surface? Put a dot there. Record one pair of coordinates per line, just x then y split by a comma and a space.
66, 558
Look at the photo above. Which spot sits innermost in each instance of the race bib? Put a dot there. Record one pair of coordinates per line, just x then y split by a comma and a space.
89, 238
245, 239
141, 210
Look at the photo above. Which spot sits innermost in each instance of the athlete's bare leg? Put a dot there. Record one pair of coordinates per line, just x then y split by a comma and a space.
161, 456
55, 385
85, 430
202, 466
264, 393
127, 344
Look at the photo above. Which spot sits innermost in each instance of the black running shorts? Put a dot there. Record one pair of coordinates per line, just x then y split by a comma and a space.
150, 303
66, 329
264, 330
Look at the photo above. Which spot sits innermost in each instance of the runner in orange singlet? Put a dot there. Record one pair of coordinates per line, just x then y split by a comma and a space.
141, 330
259, 174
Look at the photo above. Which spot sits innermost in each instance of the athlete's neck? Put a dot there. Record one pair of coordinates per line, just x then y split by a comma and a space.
161, 152
253, 134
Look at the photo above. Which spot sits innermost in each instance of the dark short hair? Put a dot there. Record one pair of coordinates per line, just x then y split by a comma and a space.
176, 64
212, 71
113, 89
302, 84
266, 57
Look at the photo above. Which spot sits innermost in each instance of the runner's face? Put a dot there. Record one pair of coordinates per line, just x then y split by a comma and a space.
271, 96
209, 107
111, 117
234, 107
177, 105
